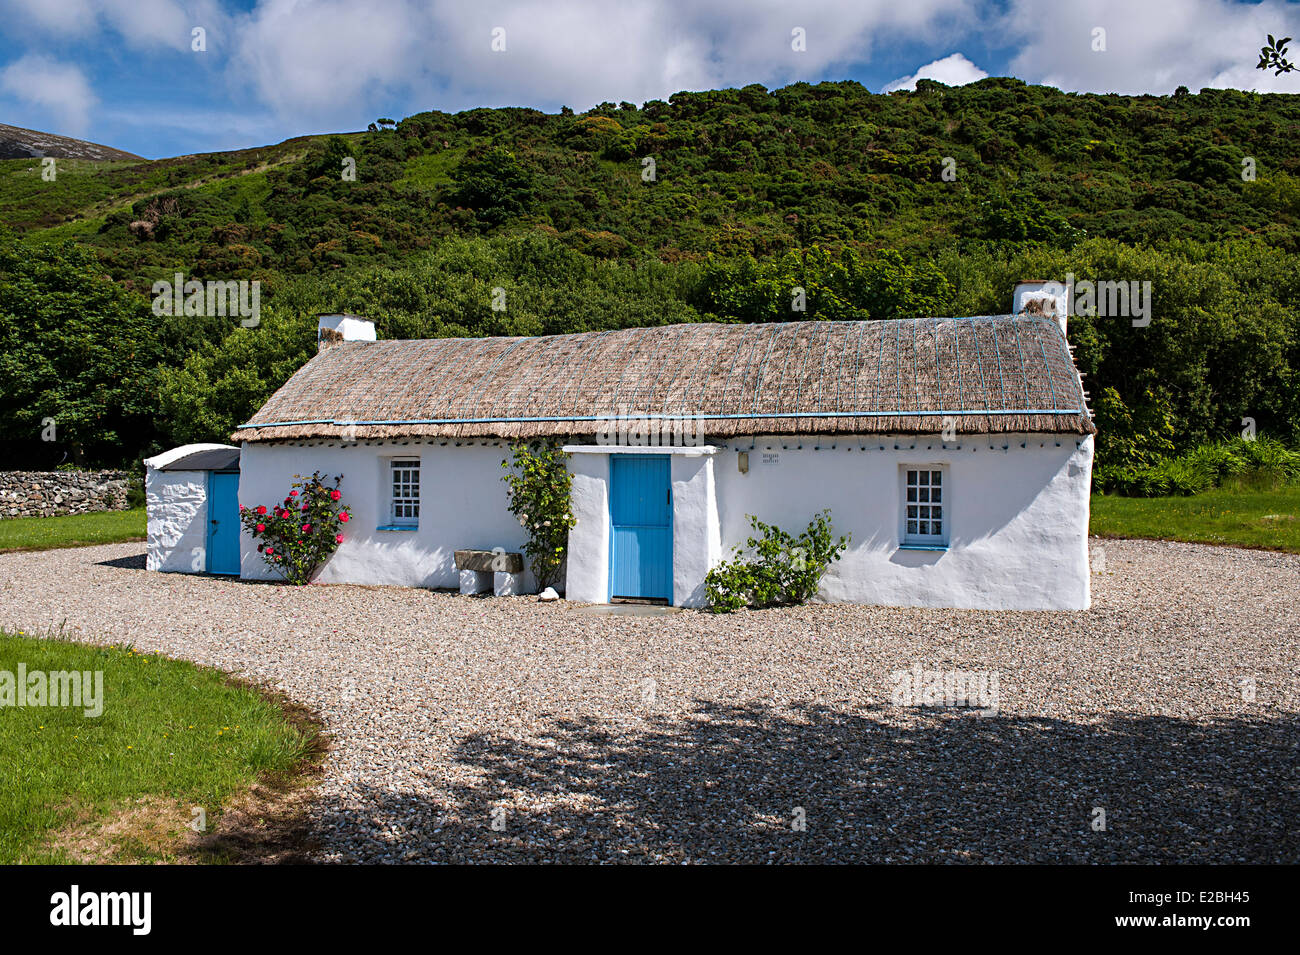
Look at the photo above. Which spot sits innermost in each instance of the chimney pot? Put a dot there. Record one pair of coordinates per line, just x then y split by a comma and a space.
1041, 297
342, 327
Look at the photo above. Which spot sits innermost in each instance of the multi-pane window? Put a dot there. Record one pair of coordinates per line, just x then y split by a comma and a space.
925, 521
406, 492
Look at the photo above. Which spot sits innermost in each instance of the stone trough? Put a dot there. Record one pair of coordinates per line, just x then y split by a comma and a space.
499, 571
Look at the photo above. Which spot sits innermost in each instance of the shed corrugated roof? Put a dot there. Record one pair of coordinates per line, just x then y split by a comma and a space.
993, 374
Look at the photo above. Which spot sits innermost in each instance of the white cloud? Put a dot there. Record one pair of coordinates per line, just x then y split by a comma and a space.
140, 24
337, 58
952, 70
1151, 47
60, 88
67, 17
321, 64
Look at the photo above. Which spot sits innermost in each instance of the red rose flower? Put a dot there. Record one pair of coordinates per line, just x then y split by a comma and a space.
305, 506
270, 550
338, 538
293, 493
335, 495
306, 528
343, 518
261, 509
260, 528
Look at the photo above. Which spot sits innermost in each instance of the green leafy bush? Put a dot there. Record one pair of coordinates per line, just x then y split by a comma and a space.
299, 534
538, 489
1260, 461
782, 569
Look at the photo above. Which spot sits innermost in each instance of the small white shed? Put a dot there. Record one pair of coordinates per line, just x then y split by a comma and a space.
192, 503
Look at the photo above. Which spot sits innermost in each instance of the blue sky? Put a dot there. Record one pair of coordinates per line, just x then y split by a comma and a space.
126, 72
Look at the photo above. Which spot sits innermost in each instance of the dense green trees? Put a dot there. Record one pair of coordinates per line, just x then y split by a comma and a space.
712, 206
78, 358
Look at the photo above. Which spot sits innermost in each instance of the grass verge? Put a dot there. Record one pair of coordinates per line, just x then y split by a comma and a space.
123, 786
72, 530
1267, 519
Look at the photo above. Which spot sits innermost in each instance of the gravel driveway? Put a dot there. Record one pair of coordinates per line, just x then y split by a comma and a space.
473, 729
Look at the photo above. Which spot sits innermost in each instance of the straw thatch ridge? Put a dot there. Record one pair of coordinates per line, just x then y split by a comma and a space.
995, 374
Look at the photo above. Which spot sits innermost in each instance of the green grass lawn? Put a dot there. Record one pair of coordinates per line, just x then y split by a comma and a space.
1242, 518
72, 530
122, 785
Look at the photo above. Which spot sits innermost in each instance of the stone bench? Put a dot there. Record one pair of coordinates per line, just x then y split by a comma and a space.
500, 571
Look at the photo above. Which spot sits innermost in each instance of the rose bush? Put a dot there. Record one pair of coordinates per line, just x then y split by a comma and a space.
299, 534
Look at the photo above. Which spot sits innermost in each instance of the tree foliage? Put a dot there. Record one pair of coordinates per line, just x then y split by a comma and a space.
77, 358
933, 202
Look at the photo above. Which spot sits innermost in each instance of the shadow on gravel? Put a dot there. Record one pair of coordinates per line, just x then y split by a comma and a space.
726, 784
133, 562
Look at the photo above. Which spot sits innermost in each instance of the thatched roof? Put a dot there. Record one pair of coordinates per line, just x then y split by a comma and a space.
990, 374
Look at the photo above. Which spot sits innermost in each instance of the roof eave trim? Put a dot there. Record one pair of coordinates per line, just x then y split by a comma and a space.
750, 416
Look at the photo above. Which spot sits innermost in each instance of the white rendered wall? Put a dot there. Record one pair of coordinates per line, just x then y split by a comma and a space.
588, 574
697, 539
176, 504
463, 504
1017, 519
696, 536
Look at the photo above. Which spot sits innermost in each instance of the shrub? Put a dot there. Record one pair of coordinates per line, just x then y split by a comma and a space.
538, 489
1219, 460
782, 569
1265, 454
1260, 462
299, 534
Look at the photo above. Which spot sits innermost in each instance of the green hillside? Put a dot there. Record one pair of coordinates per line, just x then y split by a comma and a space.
711, 206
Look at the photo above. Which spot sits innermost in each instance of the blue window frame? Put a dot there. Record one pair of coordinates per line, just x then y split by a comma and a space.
925, 519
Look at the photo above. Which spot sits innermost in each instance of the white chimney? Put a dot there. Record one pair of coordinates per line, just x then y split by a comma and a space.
343, 328
1038, 297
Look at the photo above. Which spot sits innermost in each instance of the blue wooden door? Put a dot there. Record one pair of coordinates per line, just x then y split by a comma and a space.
223, 522
641, 515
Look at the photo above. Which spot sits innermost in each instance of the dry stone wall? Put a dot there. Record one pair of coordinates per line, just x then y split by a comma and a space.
46, 493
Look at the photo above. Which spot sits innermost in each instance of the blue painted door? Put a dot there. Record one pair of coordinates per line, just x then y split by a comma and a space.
641, 515
223, 522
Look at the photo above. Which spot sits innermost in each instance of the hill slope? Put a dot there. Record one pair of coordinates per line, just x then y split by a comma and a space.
712, 206
19, 143
734, 172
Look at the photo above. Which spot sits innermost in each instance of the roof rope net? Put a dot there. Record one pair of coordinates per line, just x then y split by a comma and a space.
721, 374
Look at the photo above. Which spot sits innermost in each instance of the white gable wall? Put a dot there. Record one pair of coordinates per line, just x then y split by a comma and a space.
462, 505
176, 503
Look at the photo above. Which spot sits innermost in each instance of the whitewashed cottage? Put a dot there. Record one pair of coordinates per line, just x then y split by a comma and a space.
957, 452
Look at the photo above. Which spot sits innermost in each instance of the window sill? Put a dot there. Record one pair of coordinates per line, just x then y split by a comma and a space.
397, 527
939, 547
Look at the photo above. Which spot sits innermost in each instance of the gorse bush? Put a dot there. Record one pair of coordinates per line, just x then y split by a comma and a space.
776, 568
298, 535
538, 484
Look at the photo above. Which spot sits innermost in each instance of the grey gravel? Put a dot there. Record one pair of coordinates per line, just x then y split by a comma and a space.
687, 737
